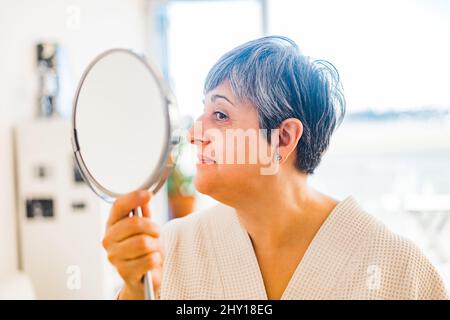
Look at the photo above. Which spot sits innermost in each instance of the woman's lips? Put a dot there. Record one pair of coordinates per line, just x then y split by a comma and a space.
205, 160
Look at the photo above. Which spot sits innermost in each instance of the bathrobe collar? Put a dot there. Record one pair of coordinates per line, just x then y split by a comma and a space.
333, 243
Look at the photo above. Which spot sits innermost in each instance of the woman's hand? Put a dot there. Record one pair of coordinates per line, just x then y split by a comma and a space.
133, 245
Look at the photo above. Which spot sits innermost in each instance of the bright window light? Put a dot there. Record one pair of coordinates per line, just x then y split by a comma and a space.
199, 32
390, 54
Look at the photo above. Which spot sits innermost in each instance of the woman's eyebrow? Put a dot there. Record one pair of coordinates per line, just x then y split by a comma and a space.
217, 96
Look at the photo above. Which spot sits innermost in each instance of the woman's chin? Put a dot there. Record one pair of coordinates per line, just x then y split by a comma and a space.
204, 181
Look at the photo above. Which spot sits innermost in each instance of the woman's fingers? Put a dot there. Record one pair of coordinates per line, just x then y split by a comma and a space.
129, 227
146, 210
133, 248
132, 243
125, 204
134, 270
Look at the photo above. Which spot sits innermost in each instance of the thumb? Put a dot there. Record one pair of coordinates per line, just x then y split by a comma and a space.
146, 206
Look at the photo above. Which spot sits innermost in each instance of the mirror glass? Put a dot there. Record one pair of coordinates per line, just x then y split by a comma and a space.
121, 123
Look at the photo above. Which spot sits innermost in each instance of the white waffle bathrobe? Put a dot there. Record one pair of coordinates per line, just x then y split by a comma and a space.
209, 255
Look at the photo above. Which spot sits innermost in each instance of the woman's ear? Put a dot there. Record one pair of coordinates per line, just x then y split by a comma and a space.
290, 132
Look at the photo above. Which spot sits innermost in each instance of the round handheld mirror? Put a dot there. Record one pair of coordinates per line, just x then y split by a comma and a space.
124, 128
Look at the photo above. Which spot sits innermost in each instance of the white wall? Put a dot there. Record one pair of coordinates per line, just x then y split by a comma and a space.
23, 23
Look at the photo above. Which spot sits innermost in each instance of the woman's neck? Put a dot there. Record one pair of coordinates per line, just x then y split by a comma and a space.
284, 212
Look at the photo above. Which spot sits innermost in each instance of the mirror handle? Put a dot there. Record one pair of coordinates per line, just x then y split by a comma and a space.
149, 291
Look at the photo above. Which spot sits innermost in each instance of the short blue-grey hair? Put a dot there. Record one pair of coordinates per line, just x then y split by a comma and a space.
282, 83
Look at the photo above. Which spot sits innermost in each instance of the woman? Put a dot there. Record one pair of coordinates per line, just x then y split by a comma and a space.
271, 236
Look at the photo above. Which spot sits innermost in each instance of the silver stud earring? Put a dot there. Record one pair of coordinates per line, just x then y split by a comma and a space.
278, 157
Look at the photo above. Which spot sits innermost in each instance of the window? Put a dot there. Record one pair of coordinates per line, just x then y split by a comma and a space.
393, 150
391, 55
198, 33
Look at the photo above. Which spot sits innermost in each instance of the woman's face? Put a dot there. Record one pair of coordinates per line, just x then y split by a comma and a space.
233, 155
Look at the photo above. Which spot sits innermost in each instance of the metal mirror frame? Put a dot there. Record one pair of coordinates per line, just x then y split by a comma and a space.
168, 157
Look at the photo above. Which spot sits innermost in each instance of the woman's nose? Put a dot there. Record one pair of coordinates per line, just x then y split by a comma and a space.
195, 134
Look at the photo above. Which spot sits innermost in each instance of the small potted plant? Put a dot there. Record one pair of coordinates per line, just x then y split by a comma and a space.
180, 183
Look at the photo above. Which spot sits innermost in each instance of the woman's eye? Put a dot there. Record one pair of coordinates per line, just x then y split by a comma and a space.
220, 116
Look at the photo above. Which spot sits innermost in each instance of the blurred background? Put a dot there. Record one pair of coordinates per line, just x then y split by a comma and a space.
392, 152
